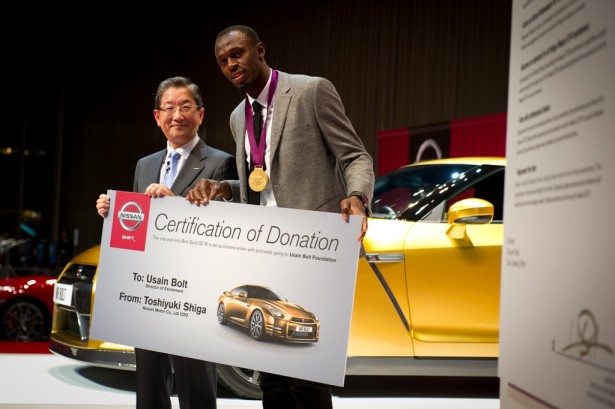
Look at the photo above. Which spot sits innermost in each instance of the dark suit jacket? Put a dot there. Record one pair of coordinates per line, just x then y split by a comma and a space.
195, 378
203, 162
317, 159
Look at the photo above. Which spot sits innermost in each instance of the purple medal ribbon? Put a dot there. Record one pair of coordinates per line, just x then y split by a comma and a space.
257, 153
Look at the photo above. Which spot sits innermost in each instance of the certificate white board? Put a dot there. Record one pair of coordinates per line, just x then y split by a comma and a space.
165, 263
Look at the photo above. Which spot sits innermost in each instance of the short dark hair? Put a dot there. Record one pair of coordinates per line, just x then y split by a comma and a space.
249, 31
178, 82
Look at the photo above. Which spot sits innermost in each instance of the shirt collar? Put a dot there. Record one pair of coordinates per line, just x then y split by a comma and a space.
185, 149
262, 97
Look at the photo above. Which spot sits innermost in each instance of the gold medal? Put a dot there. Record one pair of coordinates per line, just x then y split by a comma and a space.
258, 179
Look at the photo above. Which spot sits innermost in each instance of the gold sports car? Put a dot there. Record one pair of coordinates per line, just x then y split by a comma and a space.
265, 312
427, 292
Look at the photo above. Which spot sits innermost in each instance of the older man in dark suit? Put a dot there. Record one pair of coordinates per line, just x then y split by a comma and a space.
179, 113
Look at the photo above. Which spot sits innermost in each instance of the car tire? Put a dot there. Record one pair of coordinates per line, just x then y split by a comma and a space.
241, 382
257, 325
24, 320
221, 319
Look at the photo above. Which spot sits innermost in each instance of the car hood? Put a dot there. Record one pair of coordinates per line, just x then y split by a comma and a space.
25, 282
292, 309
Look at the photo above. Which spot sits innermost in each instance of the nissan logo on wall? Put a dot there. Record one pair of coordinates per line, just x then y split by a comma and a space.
427, 146
130, 216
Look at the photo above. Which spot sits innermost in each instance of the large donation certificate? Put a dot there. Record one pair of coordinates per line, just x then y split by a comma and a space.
257, 287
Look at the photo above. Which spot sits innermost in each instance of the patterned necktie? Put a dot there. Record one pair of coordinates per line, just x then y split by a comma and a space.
171, 172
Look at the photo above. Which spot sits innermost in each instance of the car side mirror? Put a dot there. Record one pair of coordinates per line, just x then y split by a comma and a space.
468, 211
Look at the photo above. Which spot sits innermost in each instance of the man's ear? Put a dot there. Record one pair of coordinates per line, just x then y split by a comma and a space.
261, 51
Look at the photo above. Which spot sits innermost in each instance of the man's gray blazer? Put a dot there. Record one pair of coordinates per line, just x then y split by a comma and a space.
203, 162
317, 159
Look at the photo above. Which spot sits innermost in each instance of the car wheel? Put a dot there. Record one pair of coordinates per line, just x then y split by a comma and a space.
242, 382
24, 320
256, 325
221, 318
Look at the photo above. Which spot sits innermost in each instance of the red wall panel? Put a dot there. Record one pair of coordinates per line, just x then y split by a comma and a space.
393, 149
478, 136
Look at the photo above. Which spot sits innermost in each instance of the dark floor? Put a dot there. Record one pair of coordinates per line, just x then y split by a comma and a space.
411, 387
419, 387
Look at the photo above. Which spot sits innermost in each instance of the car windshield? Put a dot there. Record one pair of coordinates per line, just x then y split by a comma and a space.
405, 188
264, 294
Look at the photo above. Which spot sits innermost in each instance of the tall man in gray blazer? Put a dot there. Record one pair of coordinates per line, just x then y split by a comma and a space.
179, 113
307, 156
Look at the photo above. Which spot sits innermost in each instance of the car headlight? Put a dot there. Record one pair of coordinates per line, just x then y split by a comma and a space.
275, 312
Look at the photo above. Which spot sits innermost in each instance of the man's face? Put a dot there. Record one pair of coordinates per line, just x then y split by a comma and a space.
240, 61
178, 116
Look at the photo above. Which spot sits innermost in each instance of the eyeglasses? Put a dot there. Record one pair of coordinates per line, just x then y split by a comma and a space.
183, 109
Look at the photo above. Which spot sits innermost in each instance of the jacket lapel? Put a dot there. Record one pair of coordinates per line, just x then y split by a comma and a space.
153, 172
281, 102
192, 168
239, 123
